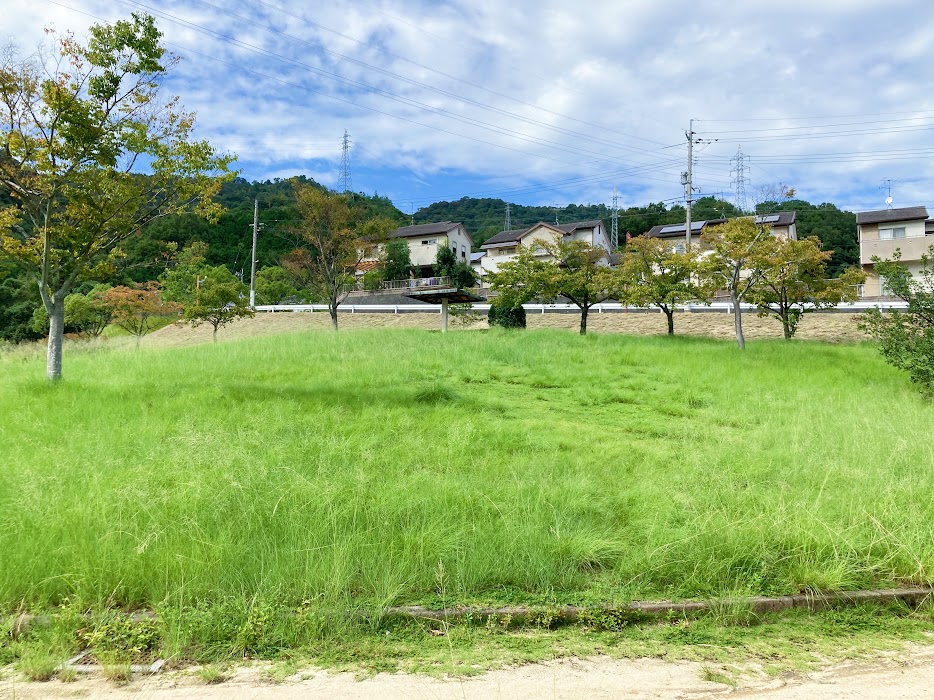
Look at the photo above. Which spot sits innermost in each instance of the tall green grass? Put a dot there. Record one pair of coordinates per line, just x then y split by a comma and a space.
335, 471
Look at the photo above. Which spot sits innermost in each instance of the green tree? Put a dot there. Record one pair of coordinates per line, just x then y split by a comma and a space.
575, 271
396, 260
906, 338
446, 264
793, 281
86, 314
275, 285
735, 246
180, 281
654, 272
335, 242
219, 299
75, 128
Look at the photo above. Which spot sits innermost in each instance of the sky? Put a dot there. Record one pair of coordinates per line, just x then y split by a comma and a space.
553, 102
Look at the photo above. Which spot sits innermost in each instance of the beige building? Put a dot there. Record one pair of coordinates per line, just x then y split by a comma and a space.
426, 239
883, 232
505, 246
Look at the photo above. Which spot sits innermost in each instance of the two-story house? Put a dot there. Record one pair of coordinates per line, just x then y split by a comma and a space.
425, 240
505, 245
881, 232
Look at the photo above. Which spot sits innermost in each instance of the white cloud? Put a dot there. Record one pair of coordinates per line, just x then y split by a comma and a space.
450, 98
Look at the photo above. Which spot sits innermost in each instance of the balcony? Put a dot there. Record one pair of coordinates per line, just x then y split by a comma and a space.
912, 248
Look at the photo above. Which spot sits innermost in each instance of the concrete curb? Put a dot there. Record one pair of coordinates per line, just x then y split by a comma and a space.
757, 604
812, 602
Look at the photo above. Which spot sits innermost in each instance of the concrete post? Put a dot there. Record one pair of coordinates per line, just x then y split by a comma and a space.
444, 315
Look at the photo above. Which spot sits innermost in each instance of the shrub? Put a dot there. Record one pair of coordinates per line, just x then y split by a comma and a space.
506, 316
906, 339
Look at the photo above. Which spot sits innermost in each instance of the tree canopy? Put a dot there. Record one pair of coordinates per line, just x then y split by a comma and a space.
77, 128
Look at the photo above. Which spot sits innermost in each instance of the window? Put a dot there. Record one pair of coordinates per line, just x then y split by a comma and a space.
679, 248
888, 234
463, 250
430, 241
454, 248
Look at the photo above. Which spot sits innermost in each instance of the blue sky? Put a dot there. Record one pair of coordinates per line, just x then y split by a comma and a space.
553, 102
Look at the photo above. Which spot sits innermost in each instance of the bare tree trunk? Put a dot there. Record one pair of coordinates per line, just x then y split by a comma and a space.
56, 335
738, 320
214, 336
332, 309
584, 310
670, 313
786, 324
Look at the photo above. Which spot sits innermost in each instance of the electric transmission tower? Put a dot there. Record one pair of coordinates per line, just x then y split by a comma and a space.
508, 226
345, 185
614, 229
738, 173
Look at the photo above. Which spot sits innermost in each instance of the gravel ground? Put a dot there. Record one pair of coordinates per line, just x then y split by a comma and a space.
906, 675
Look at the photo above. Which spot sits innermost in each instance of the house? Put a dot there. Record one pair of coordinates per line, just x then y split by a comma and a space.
425, 240
505, 246
881, 232
783, 225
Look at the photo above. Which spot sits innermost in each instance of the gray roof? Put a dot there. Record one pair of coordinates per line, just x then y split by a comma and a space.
886, 215
504, 237
424, 229
677, 230
475, 257
777, 218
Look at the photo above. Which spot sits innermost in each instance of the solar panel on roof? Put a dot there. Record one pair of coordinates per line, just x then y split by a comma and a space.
767, 219
672, 229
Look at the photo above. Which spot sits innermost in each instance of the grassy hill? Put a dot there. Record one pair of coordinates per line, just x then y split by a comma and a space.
323, 472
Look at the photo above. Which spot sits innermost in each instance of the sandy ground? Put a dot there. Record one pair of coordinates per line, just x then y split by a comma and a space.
907, 675
835, 327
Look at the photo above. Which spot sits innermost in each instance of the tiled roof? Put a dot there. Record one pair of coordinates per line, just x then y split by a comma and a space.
424, 229
367, 265
886, 215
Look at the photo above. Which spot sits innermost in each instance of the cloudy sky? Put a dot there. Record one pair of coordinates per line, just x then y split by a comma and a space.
553, 101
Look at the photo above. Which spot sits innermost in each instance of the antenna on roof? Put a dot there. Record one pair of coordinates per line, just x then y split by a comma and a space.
614, 230
508, 226
887, 186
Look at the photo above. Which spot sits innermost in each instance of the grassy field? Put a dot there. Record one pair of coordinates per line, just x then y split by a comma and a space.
318, 472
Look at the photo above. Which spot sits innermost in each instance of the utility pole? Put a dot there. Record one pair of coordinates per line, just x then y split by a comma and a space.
687, 180
508, 218
614, 228
253, 259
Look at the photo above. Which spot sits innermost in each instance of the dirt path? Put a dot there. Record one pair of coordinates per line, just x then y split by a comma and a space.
908, 675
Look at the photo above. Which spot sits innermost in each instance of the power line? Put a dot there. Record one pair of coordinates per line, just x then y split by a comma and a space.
447, 75
389, 94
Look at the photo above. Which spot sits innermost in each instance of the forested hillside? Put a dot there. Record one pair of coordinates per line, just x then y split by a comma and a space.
229, 240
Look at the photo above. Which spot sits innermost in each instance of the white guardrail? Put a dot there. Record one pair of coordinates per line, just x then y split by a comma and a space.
608, 307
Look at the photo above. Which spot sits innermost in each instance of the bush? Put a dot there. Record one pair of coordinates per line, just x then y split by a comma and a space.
906, 339
506, 316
